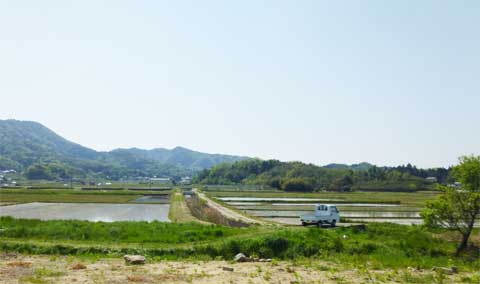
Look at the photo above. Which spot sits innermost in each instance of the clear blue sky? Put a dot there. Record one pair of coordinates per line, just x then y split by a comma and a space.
388, 82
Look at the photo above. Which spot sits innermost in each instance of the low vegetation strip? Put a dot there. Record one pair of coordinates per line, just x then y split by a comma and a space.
179, 211
314, 201
382, 245
125, 232
413, 199
73, 196
96, 191
65, 198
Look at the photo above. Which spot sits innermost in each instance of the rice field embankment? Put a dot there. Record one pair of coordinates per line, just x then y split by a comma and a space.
208, 210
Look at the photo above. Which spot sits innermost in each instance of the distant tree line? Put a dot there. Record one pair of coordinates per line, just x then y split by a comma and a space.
297, 176
57, 170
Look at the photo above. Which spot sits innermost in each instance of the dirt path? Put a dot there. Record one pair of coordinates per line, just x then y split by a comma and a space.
228, 213
65, 269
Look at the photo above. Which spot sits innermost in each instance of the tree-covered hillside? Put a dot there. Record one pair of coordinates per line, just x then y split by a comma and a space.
182, 157
40, 153
297, 176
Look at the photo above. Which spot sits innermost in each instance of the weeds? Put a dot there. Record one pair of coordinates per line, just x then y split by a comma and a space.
378, 246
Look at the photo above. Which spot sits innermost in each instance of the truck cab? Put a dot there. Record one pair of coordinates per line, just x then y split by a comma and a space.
324, 214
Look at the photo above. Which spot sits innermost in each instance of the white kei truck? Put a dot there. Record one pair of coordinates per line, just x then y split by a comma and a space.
324, 214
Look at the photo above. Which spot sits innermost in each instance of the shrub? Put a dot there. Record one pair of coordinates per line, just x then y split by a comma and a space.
296, 184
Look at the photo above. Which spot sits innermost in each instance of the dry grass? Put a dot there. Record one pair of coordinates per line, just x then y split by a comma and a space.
23, 264
136, 278
44, 270
78, 266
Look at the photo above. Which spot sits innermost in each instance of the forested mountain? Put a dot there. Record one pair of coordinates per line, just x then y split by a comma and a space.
182, 157
37, 151
297, 176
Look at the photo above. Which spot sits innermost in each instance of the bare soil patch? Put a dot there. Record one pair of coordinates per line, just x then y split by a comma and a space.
48, 269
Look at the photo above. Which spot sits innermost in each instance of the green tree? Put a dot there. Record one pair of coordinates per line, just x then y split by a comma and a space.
343, 183
38, 171
457, 208
296, 184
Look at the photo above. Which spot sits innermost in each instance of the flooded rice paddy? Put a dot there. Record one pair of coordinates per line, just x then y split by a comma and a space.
294, 221
288, 210
346, 214
88, 211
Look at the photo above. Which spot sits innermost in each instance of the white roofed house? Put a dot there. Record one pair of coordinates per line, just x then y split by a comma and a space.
431, 179
186, 180
162, 180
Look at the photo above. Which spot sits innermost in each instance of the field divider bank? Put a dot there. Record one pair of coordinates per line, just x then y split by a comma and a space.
179, 211
208, 210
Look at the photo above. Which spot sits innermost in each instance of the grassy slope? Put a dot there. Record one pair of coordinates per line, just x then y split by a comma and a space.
179, 212
383, 245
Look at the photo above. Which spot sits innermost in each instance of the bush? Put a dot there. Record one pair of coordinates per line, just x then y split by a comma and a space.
297, 184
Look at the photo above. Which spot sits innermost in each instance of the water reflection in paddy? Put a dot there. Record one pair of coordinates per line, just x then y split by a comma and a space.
348, 214
295, 221
283, 210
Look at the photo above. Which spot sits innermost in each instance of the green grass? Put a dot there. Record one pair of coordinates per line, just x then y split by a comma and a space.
71, 195
79, 191
404, 198
380, 245
398, 186
124, 232
65, 198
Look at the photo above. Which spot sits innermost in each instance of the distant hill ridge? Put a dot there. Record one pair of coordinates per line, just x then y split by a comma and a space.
183, 157
355, 167
24, 144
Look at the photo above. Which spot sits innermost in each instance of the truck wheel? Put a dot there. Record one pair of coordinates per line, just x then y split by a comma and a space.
304, 224
334, 223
